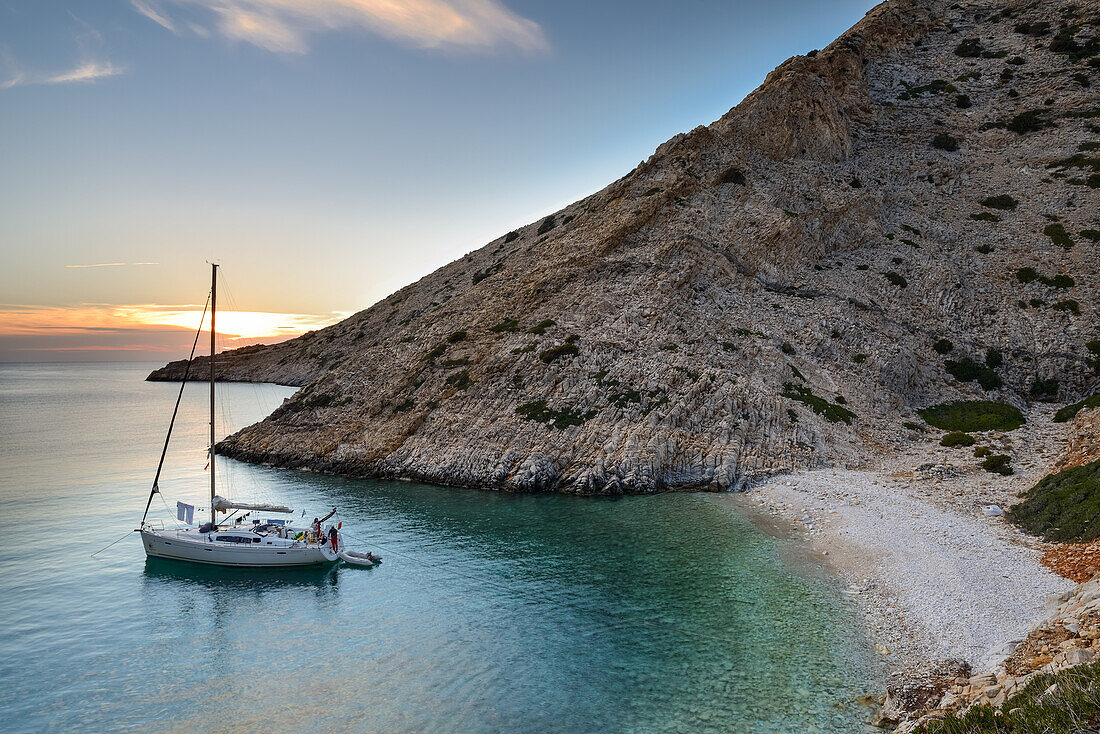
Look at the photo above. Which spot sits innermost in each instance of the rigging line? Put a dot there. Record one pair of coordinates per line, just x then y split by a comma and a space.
546, 598
126, 535
164, 451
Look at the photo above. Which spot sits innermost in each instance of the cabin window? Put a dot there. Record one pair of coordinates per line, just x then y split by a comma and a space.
236, 539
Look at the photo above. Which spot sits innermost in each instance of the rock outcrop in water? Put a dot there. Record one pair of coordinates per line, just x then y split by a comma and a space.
780, 289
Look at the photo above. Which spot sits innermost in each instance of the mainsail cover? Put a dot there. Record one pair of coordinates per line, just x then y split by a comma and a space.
221, 504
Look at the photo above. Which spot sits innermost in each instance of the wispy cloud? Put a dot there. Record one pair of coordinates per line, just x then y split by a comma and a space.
88, 71
108, 265
151, 11
283, 26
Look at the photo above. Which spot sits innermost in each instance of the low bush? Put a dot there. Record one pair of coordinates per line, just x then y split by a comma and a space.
943, 141
962, 101
539, 412
821, 406
436, 352
458, 336
972, 416
967, 370
1066, 701
511, 236
1044, 389
943, 346
1058, 235
859, 358
896, 279
1069, 412
541, 327
970, 48
554, 353
1062, 507
505, 325
459, 380
1028, 122
1027, 275
957, 438
547, 224
1069, 305
985, 217
1003, 202
982, 451
998, 464
993, 358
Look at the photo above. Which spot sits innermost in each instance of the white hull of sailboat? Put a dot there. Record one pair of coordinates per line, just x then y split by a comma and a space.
178, 546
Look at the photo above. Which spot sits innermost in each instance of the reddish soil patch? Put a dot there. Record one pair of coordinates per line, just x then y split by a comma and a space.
1077, 562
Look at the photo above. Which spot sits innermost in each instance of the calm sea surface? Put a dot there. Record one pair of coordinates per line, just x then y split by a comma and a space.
490, 613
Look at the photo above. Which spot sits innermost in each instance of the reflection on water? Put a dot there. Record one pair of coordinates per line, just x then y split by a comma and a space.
491, 611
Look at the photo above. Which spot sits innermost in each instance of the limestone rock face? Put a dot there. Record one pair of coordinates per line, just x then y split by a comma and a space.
761, 294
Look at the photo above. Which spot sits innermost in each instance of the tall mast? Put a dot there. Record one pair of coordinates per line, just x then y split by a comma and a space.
213, 312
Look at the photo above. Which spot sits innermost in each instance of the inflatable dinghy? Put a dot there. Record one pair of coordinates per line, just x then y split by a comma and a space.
359, 559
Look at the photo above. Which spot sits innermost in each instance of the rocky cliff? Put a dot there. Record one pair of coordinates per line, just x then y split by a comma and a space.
780, 289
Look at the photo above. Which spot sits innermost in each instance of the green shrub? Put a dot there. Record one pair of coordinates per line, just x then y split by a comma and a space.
1058, 281
913, 426
1094, 361
1058, 235
998, 464
982, 451
1070, 411
821, 406
943, 346
962, 101
1027, 275
538, 411
943, 141
1062, 507
1091, 234
896, 279
452, 363
524, 350
457, 336
787, 348
1002, 201
1066, 701
729, 347
1068, 305
859, 358
957, 438
547, 224
973, 416
970, 48
1044, 389
984, 249
505, 325
541, 327
993, 358
513, 235
651, 192
564, 350
985, 217
436, 352
967, 370
459, 380
1028, 122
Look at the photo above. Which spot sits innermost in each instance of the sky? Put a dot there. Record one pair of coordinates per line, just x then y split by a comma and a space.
325, 152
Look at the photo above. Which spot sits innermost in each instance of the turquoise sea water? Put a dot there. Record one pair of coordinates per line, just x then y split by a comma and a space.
491, 612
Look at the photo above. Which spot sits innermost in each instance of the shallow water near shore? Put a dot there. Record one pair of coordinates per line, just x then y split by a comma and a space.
491, 612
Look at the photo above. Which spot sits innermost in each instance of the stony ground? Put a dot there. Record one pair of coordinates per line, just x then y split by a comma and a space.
761, 295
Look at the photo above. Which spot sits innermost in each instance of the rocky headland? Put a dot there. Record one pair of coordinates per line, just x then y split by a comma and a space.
780, 290
869, 292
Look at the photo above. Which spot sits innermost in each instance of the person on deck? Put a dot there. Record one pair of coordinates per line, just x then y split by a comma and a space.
333, 537
315, 530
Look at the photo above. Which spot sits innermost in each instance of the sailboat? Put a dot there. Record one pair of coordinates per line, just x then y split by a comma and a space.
244, 543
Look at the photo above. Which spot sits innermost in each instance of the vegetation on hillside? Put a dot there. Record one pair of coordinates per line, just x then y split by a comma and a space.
973, 415
1063, 506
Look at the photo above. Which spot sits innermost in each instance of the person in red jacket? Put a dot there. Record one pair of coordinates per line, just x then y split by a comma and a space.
333, 537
